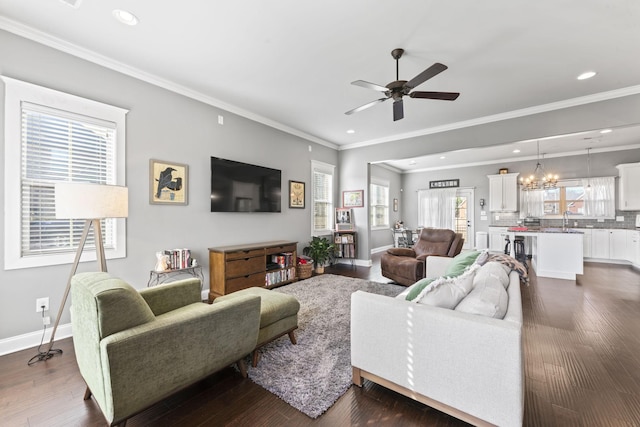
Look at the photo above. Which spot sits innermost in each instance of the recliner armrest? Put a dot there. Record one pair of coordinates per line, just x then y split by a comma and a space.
402, 252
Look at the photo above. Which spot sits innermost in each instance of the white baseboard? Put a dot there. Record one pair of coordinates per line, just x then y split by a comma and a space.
358, 262
33, 339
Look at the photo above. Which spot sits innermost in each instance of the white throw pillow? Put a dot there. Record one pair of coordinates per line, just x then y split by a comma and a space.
487, 298
447, 292
492, 271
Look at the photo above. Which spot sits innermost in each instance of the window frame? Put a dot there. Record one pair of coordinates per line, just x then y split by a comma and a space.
17, 92
562, 202
383, 184
326, 169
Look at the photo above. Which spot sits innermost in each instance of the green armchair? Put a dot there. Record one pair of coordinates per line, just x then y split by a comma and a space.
135, 348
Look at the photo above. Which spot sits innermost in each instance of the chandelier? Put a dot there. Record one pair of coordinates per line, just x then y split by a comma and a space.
539, 180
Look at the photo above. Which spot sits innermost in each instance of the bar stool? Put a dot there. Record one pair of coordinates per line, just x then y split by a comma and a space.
518, 246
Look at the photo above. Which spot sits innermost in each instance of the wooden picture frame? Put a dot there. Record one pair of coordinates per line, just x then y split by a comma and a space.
353, 199
168, 183
296, 194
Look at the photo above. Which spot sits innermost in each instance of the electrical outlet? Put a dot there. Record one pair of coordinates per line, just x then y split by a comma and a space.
46, 321
42, 302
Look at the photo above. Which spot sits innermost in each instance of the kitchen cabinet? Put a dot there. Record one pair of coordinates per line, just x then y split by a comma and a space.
600, 243
503, 192
497, 238
586, 242
633, 246
628, 190
618, 244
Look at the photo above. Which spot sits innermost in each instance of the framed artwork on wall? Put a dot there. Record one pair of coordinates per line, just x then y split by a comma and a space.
353, 199
296, 194
344, 219
168, 183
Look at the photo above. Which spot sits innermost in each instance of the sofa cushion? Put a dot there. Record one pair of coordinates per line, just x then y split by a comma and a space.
448, 292
460, 262
414, 290
494, 271
487, 298
513, 265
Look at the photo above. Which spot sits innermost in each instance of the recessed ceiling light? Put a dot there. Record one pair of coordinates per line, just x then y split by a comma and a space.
351, 131
516, 151
606, 131
125, 17
586, 75
72, 3
442, 157
412, 162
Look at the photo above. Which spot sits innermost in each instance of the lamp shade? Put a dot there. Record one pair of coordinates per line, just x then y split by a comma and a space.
90, 201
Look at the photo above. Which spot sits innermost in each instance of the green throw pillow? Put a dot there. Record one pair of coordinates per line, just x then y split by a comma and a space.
460, 262
417, 287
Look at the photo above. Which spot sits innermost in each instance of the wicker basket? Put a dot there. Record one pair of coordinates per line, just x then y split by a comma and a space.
305, 270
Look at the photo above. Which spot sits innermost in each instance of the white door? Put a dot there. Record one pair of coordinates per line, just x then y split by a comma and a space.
464, 216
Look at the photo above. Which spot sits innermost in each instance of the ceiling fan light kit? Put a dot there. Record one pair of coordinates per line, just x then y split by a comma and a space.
397, 89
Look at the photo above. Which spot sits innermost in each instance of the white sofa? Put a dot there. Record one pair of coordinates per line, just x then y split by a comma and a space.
467, 365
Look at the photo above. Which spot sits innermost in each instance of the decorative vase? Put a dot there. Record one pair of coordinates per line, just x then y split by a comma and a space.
320, 269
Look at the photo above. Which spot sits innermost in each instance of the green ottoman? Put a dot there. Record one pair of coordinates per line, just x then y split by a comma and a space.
278, 315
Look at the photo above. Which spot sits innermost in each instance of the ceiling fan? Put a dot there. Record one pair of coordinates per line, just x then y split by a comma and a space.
399, 88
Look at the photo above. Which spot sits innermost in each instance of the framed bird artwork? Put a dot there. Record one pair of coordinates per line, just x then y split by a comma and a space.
168, 183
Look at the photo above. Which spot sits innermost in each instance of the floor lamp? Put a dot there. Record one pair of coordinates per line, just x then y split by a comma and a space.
91, 202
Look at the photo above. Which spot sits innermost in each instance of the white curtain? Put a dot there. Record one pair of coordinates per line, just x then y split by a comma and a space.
437, 208
532, 203
599, 197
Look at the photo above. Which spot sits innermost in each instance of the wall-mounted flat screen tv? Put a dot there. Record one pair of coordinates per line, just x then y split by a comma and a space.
242, 187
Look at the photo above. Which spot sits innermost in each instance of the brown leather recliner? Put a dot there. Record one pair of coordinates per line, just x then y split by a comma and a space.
406, 266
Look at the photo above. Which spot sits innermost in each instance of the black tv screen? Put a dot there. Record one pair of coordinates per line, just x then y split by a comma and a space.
241, 187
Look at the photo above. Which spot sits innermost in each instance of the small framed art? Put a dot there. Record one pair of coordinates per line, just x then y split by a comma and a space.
296, 194
168, 183
353, 199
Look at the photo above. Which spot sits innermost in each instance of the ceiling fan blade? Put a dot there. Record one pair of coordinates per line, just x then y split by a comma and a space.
430, 72
398, 110
365, 106
368, 85
445, 96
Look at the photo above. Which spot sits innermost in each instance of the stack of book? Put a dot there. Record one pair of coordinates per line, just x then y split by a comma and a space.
178, 258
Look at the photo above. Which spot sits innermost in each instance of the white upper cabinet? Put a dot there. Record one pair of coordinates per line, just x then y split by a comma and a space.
503, 192
629, 190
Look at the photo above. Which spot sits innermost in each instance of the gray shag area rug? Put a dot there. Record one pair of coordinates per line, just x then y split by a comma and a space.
313, 374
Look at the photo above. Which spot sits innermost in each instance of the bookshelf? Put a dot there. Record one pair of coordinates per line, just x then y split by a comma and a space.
346, 245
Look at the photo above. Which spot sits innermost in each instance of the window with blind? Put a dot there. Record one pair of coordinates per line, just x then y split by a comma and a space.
321, 198
379, 201
57, 137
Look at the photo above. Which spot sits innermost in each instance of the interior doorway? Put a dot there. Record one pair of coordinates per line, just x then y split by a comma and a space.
464, 216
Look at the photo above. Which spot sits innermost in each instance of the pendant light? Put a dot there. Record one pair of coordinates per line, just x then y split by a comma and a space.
538, 180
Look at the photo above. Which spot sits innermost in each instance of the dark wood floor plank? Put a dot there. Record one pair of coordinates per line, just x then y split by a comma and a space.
582, 368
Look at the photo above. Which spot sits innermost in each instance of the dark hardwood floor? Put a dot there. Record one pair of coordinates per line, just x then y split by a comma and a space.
582, 355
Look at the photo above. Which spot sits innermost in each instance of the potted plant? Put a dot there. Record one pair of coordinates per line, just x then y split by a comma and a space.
320, 250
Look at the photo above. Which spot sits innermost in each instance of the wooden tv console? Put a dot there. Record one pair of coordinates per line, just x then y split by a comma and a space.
232, 268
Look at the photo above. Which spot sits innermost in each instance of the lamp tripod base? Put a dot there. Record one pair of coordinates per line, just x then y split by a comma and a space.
43, 356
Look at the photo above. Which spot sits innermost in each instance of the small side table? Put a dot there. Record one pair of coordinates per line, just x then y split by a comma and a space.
159, 277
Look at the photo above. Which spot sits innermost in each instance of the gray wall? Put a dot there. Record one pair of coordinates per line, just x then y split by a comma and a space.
382, 238
160, 125
602, 164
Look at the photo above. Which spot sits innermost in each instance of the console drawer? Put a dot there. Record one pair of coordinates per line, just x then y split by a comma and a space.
244, 267
244, 282
244, 254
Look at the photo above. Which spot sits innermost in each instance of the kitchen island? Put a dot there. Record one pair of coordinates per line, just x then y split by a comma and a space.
555, 252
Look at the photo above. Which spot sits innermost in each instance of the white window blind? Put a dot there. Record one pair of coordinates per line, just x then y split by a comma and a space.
52, 136
379, 201
322, 197
60, 146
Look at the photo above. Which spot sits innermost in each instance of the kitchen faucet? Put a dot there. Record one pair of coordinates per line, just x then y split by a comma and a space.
565, 219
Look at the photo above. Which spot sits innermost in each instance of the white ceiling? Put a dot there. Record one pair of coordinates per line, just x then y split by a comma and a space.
289, 63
